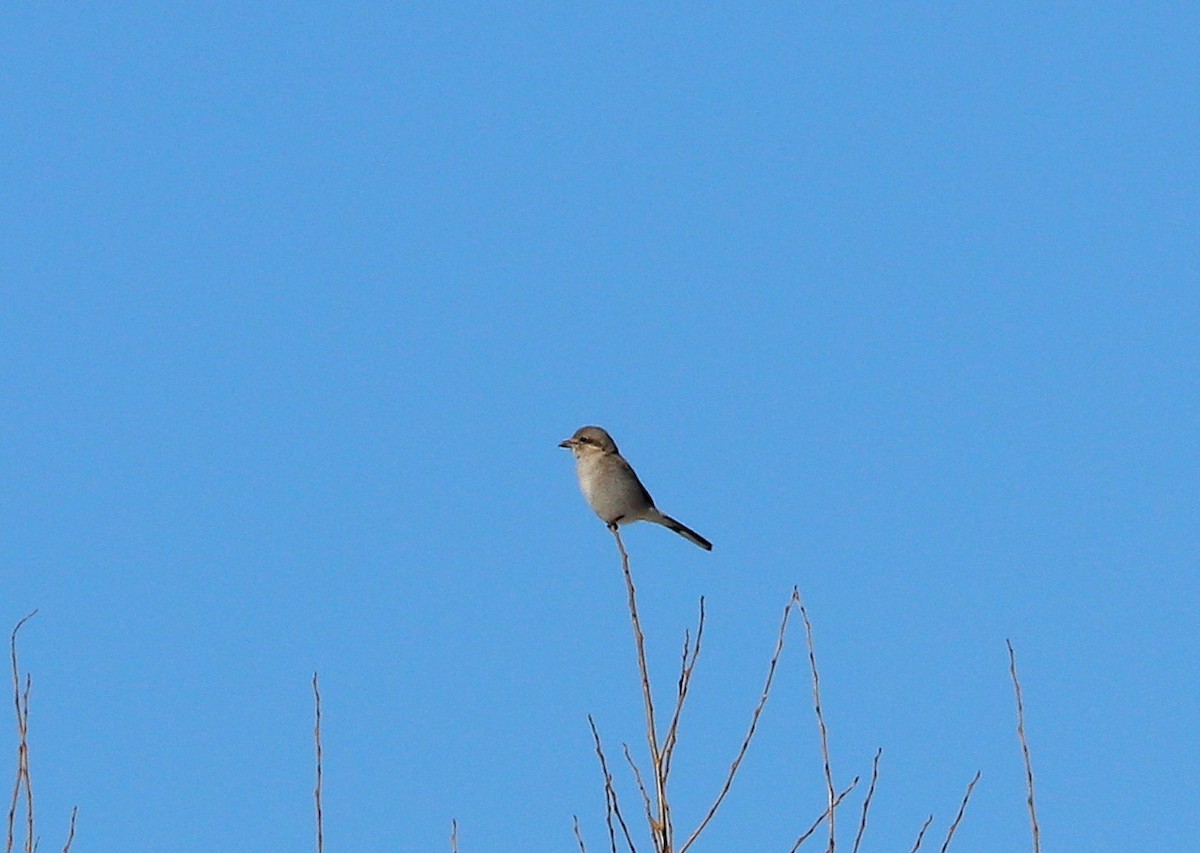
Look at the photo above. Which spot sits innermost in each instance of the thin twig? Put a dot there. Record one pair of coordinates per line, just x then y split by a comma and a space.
71, 833
317, 790
21, 703
637, 775
660, 828
816, 689
804, 836
1012, 668
961, 809
862, 823
453, 835
921, 834
579, 835
766, 692
686, 667
16, 794
608, 787
30, 837
612, 807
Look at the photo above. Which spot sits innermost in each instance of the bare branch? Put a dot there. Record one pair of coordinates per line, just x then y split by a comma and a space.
660, 828
816, 686
579, 835
921, 834
453, 835
71, 832
30, 836
961, 809
637, 775
1012, 668
23, 781
862, 823
612, 807
21, 704
16, 796
317, 790
804, 836
766, 692
686, 667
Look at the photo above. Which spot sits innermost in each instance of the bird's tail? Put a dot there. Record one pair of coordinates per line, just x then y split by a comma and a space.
683, 530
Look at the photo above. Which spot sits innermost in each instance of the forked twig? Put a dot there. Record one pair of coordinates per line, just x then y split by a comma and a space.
23, 781
766, 692
816, 683
1012, 668
862, 823
804, 836
961, 809
612, 807
317, 790
921, 834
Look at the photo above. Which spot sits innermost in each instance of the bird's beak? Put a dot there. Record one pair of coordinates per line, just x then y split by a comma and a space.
569, 443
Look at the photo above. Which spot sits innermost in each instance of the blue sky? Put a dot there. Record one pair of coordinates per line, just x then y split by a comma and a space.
895, 304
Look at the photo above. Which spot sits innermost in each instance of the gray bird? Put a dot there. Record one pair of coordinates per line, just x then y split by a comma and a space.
613, 489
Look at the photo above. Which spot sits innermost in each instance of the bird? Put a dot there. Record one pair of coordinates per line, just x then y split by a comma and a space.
612, 487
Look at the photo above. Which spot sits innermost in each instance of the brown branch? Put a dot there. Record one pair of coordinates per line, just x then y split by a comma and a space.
1012, 668
862, 823
804, 836
660, 828
30, 837
71, 832
317, 790
21, 704
637, 775
579, 835
16, 794
612, 807
766, 692
921, 834
816, 686
961, 809
23, 779
686, 667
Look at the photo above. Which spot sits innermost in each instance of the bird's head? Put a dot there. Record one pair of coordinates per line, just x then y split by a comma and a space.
590, 439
